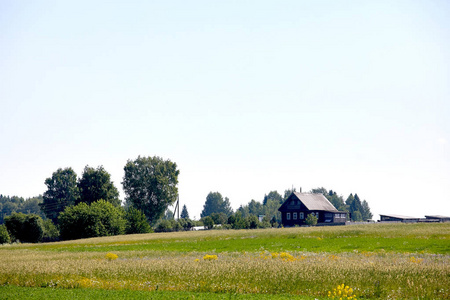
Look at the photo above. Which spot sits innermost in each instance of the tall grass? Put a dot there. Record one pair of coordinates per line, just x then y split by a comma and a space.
300, 270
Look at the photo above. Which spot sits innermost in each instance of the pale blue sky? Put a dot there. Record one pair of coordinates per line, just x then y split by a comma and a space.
245, 96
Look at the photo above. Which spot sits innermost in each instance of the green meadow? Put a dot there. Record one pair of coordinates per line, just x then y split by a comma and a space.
374, 261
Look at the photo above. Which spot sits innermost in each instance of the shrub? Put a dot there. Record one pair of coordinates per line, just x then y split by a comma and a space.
4, 235
101, 218
51, 232
136, 221
311, 220
25, 228
252, 221
164, 226
208, 222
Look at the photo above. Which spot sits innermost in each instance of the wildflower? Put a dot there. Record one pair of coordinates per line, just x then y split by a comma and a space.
210, 257
342, 292
111, 256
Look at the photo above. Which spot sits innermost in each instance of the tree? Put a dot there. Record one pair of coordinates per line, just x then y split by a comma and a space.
366, 213
273, 195
255, 208
311, 220
168, 215
101, 218
219, 218
184, 213
25, 228
136, 222
96, 184
62, 191
216, 204
4, 235
150, 185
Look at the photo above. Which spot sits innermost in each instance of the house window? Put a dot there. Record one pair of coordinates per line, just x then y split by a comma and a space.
302, 216
288, 216
294, 216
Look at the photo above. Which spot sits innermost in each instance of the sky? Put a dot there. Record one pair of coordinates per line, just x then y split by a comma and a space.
247, 97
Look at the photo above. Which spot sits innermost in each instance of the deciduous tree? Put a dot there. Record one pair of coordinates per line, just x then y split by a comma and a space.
62, 191
96, 184
150, 185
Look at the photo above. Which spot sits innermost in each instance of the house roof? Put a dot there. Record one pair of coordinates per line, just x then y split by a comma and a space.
437, 217
400, 217
312, 201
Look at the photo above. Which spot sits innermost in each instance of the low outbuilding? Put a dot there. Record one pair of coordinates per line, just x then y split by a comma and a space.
398, 218
438, 218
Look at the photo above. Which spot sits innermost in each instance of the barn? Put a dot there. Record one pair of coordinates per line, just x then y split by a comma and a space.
298, 206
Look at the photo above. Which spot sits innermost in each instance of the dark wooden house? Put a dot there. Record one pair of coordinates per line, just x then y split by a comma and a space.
298, 206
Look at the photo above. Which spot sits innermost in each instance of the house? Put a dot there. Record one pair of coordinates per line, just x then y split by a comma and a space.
298, 206
398, 218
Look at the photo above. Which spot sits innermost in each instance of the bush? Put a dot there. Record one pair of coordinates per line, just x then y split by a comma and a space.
101, 218
51, 232
208, 222
252, 221
164, 226
4, 235
25, 228
311, 220
136, 221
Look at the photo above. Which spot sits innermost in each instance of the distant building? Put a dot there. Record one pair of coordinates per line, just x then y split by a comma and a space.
438, 218
298, 206
398, 218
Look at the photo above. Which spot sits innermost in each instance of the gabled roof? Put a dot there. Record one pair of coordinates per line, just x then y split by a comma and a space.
311, 201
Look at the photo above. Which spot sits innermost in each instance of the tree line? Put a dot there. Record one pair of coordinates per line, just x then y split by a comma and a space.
89, 206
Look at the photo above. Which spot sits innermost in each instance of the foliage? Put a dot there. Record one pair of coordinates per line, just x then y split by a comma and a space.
101, 218
96, 184
311, 220
237, 221
184, 212
252, 222
4, 235
150, 185
219, 218
136, 222
164, 226
62, 191
208, 222
9, 205
25, 228
274, 196
215, 203
168, 215
186, 224
51, 232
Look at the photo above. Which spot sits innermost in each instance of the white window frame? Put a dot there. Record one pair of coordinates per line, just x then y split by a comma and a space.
294, 216
302, 215
288, 216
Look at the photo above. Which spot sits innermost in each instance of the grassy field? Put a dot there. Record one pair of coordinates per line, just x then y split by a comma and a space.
377, 261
